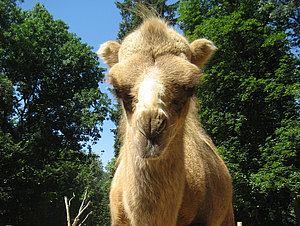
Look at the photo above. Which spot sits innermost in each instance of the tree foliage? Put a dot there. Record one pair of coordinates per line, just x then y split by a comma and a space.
50, 106
56, 80
249, 102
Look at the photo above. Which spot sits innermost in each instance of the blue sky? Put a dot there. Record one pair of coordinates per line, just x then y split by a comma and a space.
95, 21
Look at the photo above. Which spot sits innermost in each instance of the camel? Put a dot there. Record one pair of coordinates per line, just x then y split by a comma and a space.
168, 171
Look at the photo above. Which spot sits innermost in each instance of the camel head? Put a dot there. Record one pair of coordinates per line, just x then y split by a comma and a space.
154, 73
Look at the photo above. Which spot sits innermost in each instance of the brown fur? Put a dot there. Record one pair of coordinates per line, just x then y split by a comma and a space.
168, 170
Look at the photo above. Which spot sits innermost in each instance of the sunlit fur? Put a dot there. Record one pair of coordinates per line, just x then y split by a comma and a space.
150, 94
168, 171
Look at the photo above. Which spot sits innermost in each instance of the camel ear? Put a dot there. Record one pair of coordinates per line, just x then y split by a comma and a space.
202, 49
108, 52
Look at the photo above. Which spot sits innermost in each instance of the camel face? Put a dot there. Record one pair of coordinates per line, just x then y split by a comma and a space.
154, 73
155, 95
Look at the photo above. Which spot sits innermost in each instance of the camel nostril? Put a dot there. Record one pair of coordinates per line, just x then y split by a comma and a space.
151, 127
162, 126
157, 127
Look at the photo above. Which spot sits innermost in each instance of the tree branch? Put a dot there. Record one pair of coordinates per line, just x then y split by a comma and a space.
67, 210
84, 198
85, 218
76, 220
81, 209
71, 199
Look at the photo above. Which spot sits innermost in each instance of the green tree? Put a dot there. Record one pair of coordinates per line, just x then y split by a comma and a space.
50, 106
249, 102
56, 79
98, 183
284, 14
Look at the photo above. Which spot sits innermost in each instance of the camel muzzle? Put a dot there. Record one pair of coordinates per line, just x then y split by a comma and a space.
151, 127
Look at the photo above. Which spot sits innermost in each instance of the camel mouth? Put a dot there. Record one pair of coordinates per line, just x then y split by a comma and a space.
150, 148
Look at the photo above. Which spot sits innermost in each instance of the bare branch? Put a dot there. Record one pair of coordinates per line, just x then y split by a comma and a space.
67, 210
85, 218
71, 199
81, 209
84, 198
80, 212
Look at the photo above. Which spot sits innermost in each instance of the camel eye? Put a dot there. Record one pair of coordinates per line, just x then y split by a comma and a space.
128, 103
178, 103
190, 91
117, 92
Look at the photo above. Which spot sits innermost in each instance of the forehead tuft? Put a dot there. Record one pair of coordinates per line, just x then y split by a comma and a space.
154, 38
